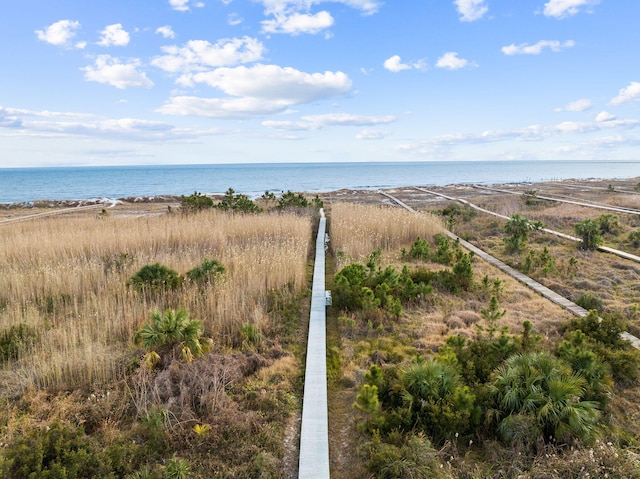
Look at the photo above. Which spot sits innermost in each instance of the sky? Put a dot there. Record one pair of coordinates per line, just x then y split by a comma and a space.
115, 82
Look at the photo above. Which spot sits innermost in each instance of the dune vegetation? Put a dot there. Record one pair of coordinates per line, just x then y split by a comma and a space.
77, 292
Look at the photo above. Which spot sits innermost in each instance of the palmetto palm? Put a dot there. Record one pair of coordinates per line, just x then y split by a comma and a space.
539, 395
437, 399
171, 328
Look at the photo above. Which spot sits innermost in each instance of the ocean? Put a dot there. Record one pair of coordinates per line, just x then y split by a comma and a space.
82, 183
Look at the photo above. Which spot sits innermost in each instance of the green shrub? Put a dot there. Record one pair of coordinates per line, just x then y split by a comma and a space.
237, 202
538, 398
292, 200
210, 270
195, 202
438, 401
15, 340
155, 277
589, 301
57, 452
413, 457
589, 232
419, 249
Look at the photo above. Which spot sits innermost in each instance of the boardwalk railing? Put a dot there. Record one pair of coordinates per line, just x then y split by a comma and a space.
314, 434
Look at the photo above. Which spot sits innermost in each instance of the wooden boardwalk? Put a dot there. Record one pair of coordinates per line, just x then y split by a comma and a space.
524, 279
606, 249
314, 434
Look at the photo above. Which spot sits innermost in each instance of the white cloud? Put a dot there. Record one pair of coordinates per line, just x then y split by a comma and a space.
605, 116
372, 134
297, 23
200, 54
256, 91
59, 33
183, 5
529, 133
566, 8
536, 48
114, 35
394, 64
111, 71
234, 19
272, 7
43, 113
451, 61
577, 105
627, 94
222, 107
471, 10
273, 81
166, 31
290, 125
346, 119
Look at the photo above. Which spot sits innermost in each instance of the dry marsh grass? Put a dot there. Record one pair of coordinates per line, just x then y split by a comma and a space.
66, 279
357, 230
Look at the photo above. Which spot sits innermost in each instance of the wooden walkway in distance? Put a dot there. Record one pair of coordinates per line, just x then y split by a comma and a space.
524, 279
606, 249
314, 434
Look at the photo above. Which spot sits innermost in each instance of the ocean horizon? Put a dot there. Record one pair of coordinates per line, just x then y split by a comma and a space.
23, 185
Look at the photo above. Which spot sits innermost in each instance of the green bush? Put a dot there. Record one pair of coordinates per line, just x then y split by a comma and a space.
237, 202
15, 340
589, 301
195, 202
413, 457
155, 277
539, 398
589, 232
57, 452
438, 401
419, 249
292, 200
210, 270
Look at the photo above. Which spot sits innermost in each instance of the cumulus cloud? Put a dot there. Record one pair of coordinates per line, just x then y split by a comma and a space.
111, 71
256, 91
471, 10
166, 31
198, 55
114, 35
451, 61
536, 48
59, 33
577, 105
567, 8
627, 94
605, 116
297, 23
273, 82
394, 64
372, 134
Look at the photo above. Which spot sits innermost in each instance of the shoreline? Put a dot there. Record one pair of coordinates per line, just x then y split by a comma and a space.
167, 198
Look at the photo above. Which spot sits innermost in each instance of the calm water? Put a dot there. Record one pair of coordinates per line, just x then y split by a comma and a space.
28, 184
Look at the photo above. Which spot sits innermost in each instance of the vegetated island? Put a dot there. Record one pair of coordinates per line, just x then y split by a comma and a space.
166, 339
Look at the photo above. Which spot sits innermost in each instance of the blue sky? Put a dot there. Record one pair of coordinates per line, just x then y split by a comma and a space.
243, 81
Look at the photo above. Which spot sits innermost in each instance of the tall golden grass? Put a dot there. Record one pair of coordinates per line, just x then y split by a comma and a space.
66, 278
357, 230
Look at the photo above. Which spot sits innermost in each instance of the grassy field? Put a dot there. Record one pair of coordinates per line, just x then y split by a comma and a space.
68, 319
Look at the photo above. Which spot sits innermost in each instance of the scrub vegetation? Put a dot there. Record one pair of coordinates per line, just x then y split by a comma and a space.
160, 346
454, 372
